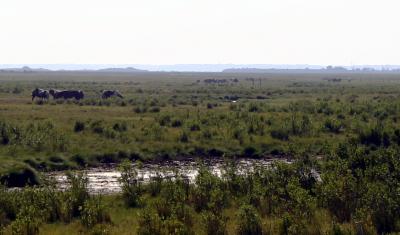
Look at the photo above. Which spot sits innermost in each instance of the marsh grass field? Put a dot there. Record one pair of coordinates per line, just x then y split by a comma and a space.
178, 115
345, 125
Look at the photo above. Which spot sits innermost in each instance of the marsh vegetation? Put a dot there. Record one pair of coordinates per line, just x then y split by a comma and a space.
347, 130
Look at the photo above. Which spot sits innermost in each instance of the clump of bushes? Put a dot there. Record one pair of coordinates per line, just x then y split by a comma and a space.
37, 136
79, 126
25, 210
176, 123
155, 109
94, 212
97, 127
140, 109
170, 213
214, 223
376, 135
208, 193
254, 108
130, 184
14, 174
165, 120
120, 127
249, 221
184, 137
195, 127
281, 134
333, 125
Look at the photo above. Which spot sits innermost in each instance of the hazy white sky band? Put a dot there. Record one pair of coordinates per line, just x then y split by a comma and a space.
200, 31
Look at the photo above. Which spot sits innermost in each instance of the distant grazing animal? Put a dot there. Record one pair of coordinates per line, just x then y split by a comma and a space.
53, 93
43, 94
105, 94
67, 94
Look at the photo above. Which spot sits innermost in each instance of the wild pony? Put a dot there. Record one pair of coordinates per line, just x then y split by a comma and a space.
40, 93
67, 94
105, 94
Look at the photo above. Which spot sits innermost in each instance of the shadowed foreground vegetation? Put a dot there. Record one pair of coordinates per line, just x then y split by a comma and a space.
357, 194
346, 128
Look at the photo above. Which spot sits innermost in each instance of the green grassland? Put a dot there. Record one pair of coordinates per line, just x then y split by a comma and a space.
344, 125
178, 115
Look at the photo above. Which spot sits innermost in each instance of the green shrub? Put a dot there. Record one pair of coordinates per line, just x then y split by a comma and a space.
292, 226
4, 133
195, 127
165, 120
140, 109
281, 134
333, 125
76, 194
249, 222
109, 133
175, 226
176, 123
94, 212
208, 192
27, 222
155, 184
184, 137
155, 109
19, 175
97, 127
208, 135
79, 126
120, 127
130, 184
79, 159
214, 224
374, 136
150, 223
253, 108
8, 209
250, 151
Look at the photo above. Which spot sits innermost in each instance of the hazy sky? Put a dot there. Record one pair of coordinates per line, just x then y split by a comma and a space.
200, 31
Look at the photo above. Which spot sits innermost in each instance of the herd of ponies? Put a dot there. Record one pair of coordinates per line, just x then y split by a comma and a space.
70, 94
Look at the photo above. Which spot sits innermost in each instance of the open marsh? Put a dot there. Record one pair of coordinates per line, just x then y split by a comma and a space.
345, 126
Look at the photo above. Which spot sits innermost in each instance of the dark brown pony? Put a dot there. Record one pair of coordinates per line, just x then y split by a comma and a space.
67, 94
40, 93
105, 94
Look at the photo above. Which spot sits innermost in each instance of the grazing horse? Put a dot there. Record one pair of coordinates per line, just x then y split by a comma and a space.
67, 94
43, 94
105, 94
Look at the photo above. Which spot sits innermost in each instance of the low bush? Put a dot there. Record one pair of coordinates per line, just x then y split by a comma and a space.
27, 221
18, 175
214, 224
97, 127
130, 184
94, 212
280, 134
184, 137
176, 123
76, 195
155, 109
249, 222
120, 127
150, 223
79, 126
333, 125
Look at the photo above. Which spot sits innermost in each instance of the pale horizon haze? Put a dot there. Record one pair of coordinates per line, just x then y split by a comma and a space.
342, 32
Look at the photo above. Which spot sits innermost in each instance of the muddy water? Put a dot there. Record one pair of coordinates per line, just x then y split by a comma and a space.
105, 180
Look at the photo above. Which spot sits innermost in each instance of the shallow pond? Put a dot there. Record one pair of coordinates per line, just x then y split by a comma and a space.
104, 180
